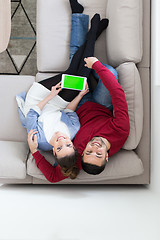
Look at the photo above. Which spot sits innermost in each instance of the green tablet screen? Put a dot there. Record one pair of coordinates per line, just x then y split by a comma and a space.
73, 82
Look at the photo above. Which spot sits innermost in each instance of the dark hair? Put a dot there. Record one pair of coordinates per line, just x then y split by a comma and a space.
91, 168
68, 164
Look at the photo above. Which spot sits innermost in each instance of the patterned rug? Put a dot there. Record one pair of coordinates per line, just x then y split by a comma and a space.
20, 56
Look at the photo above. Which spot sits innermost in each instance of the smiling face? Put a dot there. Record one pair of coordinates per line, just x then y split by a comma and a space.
62, 145
95, 152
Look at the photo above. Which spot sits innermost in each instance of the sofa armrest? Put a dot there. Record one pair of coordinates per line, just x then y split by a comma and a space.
10, 86
130, 81
13, 159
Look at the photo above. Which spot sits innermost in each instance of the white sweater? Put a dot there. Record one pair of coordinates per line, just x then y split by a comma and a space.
50, 116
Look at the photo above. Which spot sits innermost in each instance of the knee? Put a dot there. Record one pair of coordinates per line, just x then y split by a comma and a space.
112, 70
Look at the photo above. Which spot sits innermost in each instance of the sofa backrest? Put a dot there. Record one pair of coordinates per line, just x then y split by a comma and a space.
121, 42
124, 34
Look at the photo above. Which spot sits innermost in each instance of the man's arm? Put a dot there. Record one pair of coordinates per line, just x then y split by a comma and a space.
52, 174
121, 118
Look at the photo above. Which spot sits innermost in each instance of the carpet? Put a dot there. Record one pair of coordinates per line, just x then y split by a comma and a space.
20, 56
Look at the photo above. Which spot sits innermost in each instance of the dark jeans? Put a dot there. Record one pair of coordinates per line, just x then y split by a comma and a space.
77, 63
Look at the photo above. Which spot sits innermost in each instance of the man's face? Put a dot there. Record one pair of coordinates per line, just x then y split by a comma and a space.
62, 145
95, 152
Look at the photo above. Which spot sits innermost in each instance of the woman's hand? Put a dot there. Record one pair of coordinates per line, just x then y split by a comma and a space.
90, 61
55, 90
32, 142
85, 91
74, 103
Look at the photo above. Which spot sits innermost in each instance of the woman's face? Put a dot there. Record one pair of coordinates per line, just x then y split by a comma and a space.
62, 145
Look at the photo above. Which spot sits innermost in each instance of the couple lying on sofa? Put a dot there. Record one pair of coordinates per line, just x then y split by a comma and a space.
96, 134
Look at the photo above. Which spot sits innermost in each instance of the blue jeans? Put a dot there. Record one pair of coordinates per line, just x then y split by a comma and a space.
101, 94
79, 30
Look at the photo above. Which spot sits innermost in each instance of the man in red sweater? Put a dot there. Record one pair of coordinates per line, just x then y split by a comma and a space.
101, 134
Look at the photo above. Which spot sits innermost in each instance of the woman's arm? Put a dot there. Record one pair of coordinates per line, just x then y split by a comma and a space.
51, 173
54, 91
32, 120
34, 112
74, 103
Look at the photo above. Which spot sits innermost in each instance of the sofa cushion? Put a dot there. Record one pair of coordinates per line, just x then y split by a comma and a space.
131, 83
53, 33
42, 76
124, 33
13, 159
121, 165
10, 127
53, 37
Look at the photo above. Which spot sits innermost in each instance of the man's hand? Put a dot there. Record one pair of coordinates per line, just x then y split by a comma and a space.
55, 90
85, 91
33, 144
90, 61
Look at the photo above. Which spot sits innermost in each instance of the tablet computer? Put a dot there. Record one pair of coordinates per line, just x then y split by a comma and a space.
73, 82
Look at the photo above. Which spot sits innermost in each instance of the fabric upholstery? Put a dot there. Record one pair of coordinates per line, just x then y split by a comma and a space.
10, 127
42, 76
121, 165
13, 159
124, 33
53, 38
131, 83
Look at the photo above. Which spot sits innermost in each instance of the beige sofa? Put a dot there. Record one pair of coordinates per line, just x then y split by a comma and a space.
126, 46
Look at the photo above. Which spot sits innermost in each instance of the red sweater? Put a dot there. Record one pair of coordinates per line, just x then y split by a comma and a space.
96, 120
